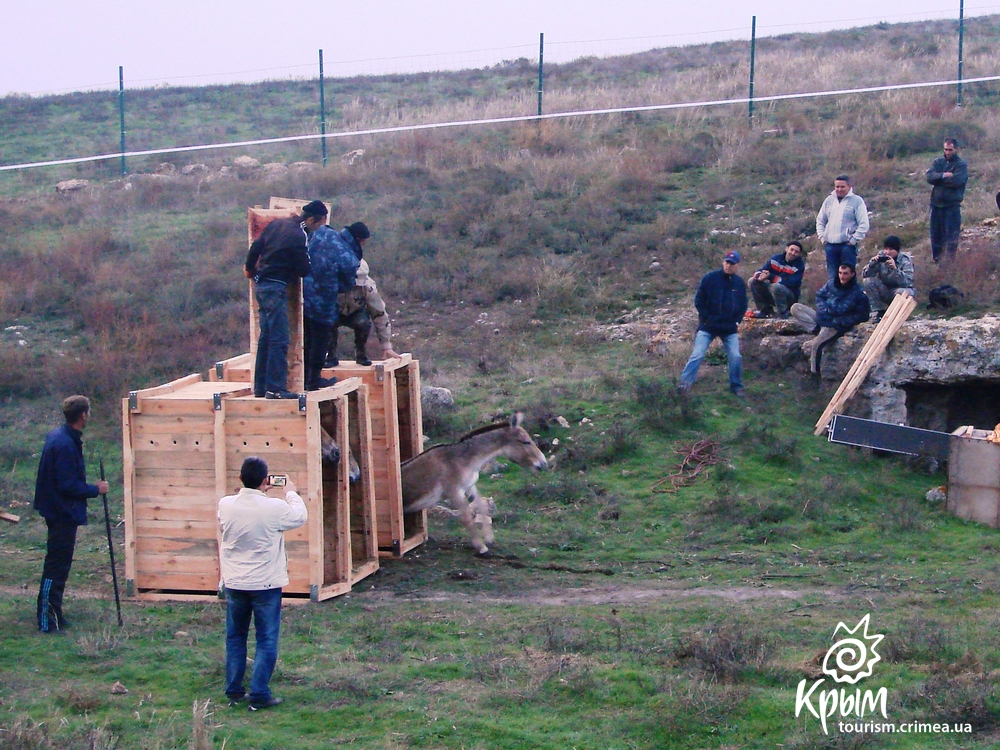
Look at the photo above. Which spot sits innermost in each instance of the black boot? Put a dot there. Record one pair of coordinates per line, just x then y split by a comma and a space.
331, 353
314, 381
361, 358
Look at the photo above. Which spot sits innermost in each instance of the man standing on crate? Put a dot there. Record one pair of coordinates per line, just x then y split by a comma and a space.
334, 268
948, 174
61, 494
360, 307
276, 259
254, 570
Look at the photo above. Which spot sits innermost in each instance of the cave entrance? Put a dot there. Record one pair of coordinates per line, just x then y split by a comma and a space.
947, 406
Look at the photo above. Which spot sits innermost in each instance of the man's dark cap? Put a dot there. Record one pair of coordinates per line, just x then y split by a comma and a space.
892, 242
314, 208
359, 230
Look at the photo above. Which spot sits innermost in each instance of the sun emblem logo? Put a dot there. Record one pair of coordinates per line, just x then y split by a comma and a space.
852, 658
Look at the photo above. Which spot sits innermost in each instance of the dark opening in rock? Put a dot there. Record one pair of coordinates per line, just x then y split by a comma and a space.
946, 407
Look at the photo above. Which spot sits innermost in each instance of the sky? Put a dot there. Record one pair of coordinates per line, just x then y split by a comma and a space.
78, 46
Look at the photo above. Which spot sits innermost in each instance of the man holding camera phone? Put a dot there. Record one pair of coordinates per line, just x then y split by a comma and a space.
254, 570
887, 274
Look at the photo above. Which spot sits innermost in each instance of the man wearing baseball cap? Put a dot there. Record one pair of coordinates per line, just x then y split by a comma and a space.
721, 300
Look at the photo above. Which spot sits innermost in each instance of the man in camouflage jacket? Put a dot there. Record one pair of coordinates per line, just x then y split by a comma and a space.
361, 309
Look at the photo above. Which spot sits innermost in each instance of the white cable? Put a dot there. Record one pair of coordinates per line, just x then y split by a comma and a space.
497, 121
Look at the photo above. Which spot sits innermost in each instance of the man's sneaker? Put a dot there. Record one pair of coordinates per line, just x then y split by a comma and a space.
268, 703
235, 701
740, 393
362, 359
877, 316
758, 314
331, 362
281, 394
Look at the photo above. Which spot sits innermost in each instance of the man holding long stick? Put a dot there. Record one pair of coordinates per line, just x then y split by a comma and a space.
61, 494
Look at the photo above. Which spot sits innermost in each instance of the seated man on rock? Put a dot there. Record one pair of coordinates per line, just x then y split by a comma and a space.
840, 305
778, 282
887, 274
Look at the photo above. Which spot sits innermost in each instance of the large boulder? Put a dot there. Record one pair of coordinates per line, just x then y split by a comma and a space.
71, 186
432, 397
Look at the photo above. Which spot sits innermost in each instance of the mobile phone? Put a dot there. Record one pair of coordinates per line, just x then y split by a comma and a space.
277, 480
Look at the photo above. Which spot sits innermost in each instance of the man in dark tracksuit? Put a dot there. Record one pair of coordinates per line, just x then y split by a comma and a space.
61, 493
721, 300
948, 174
276, 259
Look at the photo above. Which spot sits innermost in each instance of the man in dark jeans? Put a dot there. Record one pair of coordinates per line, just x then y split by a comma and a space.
61, 494
276, 259
948, 174
254, 569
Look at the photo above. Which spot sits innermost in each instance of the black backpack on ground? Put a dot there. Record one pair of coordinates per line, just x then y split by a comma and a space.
944, 296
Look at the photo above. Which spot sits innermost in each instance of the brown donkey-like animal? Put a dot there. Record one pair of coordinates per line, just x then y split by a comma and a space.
447, 474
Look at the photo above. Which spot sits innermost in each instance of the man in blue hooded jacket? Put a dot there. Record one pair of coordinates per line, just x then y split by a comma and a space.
721, 300
61, 494
840, 305
334, 267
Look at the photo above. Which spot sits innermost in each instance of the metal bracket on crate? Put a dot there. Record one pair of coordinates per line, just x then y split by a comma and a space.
129, 587
217, 401
302, 402
133, 400
396, 548
314, 592
220, 370
379, 373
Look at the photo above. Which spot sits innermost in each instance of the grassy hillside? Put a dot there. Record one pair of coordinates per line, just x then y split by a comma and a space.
614, 614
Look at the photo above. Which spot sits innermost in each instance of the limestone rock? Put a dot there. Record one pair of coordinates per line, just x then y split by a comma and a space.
245, 162
165, 168
71, 186
431, 397
194, 169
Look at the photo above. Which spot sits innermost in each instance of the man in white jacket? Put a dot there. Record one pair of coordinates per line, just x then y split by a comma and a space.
841, 224
254, 570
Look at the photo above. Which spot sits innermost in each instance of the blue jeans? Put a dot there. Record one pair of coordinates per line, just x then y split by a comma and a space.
265, 606
838, 253
271, 368
731, 344
946, 226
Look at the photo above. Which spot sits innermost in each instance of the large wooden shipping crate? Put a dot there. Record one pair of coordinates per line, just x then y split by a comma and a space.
184, 444
397, 435
974, 476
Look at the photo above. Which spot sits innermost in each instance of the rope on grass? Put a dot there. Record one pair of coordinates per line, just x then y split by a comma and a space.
697, 458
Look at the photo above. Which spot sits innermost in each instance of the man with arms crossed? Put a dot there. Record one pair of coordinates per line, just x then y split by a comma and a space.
254, 569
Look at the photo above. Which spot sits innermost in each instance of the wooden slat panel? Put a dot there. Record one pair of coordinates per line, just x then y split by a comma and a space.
172, 563
175, 460
158, 527
185, 514
159, 579
180, 546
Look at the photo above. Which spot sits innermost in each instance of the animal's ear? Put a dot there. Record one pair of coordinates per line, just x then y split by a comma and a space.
516, 419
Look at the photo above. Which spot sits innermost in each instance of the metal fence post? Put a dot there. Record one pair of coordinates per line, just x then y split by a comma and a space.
322, 109
121, 112
753, 50
961, 38
541, 56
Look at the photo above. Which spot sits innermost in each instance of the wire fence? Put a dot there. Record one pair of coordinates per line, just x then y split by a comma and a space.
562, 50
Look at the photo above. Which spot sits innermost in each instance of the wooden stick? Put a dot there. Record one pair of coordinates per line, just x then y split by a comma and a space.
900, 309
10, 517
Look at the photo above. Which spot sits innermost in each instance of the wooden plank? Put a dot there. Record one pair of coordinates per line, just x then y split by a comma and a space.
313, 492
173, 385
167, 563
128, 477
176, 460
189, 582
177, 527
9, 517
203, 548
149, 514
157, 426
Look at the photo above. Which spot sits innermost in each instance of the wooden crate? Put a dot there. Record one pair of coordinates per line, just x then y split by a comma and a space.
184, 444
257, 220
397, 434
974, 477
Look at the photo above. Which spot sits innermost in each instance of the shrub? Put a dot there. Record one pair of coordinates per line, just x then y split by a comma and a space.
728, 651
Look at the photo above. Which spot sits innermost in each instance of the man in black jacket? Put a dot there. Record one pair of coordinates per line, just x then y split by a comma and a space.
721, 300
61, 494
276, 259
948, 174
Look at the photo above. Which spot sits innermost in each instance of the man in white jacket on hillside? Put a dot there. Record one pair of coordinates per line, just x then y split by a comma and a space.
841, 224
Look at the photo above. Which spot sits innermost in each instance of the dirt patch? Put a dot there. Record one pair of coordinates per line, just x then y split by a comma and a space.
598, 595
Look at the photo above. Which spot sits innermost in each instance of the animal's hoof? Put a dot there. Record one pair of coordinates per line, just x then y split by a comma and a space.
485, 553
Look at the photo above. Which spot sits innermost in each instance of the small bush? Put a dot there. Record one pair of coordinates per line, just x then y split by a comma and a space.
727, 651
958, 699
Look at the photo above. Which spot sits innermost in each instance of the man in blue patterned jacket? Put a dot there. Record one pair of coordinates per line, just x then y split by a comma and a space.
61, 494
840, 305
334, 268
